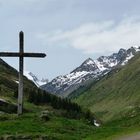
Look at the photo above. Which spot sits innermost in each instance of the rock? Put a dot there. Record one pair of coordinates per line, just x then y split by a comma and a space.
96, 123
7, 107
45, 115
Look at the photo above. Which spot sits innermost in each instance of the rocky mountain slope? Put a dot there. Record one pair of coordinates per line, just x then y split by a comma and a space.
35, 79
89, 70
116, 94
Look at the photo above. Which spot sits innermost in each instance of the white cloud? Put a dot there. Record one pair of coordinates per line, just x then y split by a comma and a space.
100, 37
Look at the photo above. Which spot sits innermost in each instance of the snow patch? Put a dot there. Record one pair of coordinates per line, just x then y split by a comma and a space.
96, 123
34, 79
127, 59
17, 82
2, 100
90, 62
137, 48
100, 66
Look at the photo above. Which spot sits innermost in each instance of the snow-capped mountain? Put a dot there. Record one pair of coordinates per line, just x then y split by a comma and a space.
87, 71
34, 79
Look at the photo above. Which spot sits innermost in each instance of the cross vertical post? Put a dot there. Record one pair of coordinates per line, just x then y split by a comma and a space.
21, 63
21, 54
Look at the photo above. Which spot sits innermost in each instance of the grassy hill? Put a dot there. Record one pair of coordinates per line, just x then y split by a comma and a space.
58, 122
32, 126
117, 94
9, 80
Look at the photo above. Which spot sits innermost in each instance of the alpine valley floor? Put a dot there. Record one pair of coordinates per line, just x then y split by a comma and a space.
31, 126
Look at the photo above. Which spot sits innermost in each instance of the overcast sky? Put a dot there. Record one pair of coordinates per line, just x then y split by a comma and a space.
68, 31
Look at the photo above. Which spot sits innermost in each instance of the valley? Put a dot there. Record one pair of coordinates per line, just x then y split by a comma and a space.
116, 94
112, 98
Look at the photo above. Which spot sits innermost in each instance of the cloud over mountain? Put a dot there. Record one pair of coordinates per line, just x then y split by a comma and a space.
97, 37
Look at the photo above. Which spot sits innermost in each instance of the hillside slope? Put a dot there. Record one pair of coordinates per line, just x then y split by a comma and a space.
117, 94
60, 124
9, 80
45, 115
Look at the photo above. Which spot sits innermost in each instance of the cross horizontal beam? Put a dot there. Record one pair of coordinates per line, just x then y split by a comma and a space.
21, 54
15, 54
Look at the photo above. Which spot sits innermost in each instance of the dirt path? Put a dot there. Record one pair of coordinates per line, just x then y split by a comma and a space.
132, 137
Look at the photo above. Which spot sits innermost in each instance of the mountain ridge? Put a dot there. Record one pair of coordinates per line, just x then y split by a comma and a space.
116, 94
35, 79
88, 71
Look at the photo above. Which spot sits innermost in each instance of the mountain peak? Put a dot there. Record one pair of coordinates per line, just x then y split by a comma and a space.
88, 71
122, 51
88, 65
89, 61
34, 78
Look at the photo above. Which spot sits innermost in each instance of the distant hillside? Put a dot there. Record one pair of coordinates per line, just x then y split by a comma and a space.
35, 79
116, 94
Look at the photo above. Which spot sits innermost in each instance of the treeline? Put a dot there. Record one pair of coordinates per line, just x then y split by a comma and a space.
72, 110
42, 97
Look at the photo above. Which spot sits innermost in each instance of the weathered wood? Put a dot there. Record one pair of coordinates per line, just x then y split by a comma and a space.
21, 61
34, 55
7, 54
21, 56
15, 54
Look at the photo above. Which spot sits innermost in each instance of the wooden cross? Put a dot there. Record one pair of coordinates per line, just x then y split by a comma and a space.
21, 54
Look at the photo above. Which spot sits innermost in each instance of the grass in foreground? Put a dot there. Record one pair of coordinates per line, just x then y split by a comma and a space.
30, 124
61, 128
